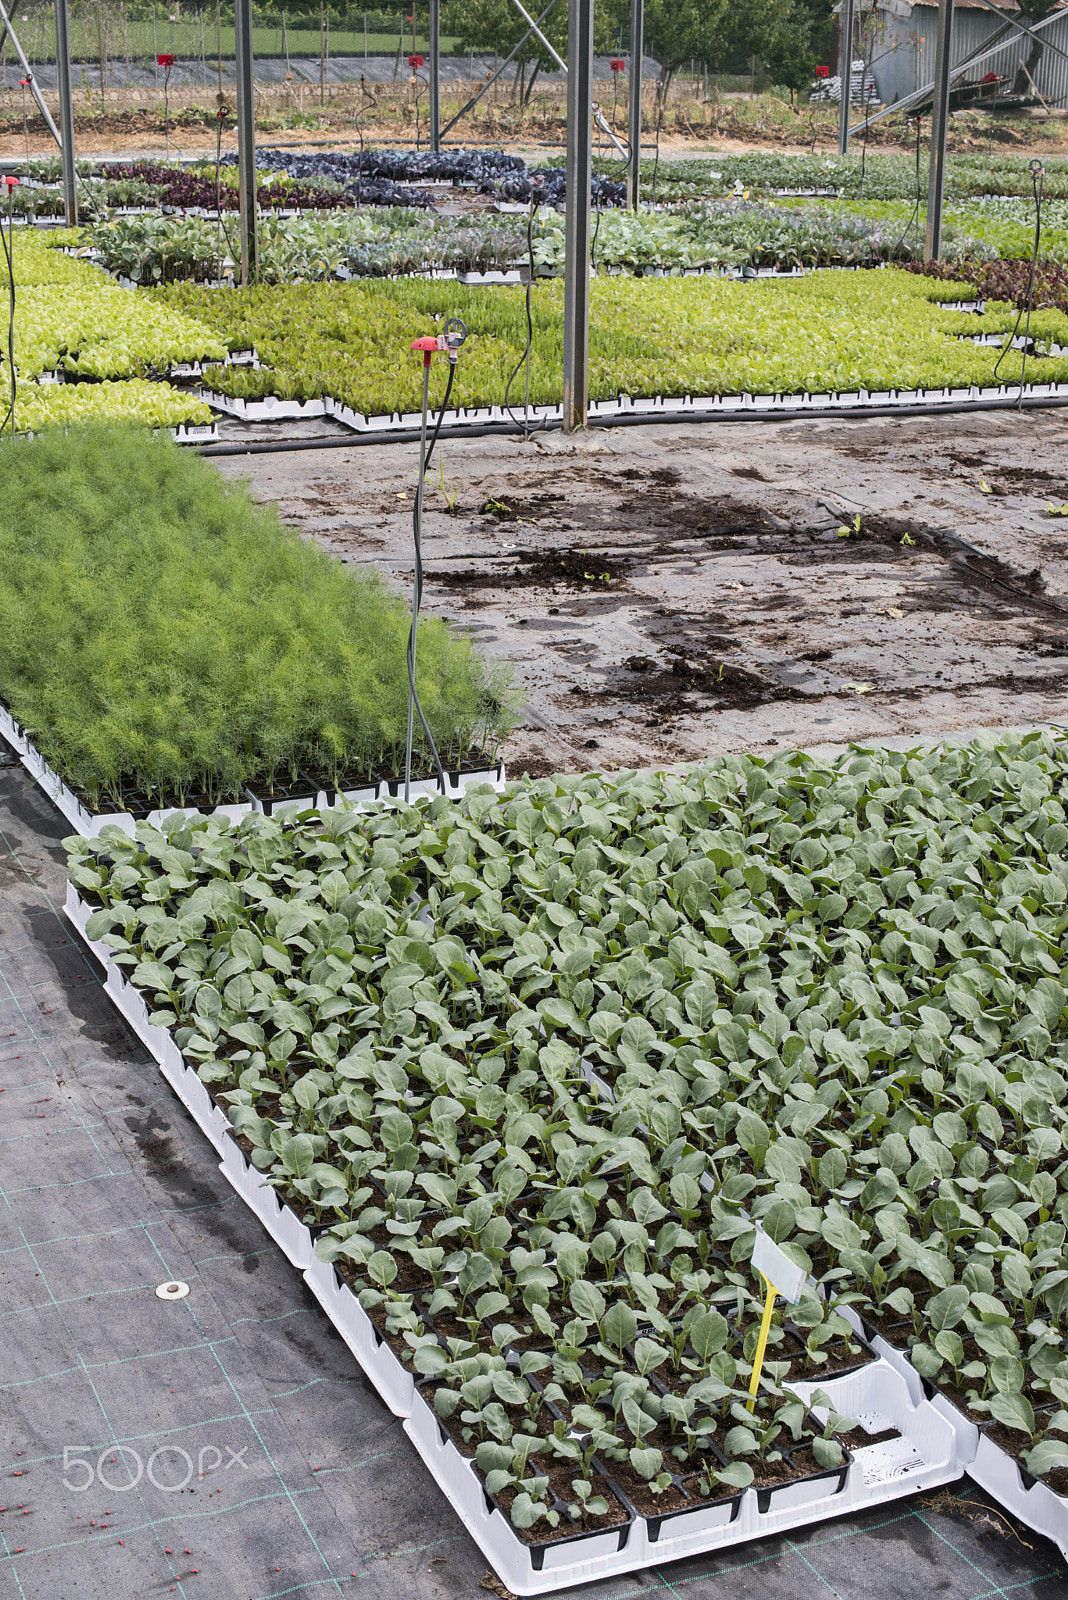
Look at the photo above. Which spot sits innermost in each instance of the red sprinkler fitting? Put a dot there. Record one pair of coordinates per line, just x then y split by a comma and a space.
427, 345
449, 341
12, 183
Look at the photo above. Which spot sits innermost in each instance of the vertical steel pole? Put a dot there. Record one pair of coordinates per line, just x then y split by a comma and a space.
435, 74
637, 47
939, 125
66, 115
577, 222
845, 72
246, 137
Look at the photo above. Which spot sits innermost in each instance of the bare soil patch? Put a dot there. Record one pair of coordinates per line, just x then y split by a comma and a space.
669, 593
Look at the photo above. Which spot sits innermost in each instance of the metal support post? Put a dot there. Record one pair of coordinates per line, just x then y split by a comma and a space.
637, 47
435, 74
939, 124
845, 73
66, 115
8, 32
577, 222
246, 137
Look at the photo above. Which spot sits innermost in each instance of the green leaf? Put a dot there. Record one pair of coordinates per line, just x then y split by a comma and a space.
646, 1462
298, 1152
587, 1301
828, 1453
1013, 1410
618, 1325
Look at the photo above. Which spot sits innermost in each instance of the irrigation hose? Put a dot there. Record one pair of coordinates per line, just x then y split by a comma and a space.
417, 582
9, 247
916, 203
1037, 182
525, 357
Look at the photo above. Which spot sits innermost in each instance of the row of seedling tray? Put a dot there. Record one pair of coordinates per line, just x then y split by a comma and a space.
304, 795
677, 407
919, 1439
915, 1445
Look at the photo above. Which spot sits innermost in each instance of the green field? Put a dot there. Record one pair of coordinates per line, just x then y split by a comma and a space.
134, 40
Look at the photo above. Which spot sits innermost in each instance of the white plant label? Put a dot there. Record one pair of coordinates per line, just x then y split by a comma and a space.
785, 1277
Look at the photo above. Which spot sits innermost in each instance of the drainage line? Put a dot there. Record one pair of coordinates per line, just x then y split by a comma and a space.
481, 430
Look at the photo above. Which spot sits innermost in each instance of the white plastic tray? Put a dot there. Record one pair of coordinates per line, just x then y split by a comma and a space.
877, 1394
1037, 1506
655, 407
90, 824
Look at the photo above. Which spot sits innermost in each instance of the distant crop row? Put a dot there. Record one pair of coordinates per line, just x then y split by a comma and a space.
724, 235
70, 319
822, 332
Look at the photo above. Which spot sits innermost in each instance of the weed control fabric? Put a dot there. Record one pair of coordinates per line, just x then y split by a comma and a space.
535, 1067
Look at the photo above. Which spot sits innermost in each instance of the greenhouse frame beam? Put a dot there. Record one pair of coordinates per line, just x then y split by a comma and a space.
509, 58
602, 121
66, 116
939, 126
1028, 29
577, 222
246, 137
435, 75
991, 47
845, 75
634, 156
8, 32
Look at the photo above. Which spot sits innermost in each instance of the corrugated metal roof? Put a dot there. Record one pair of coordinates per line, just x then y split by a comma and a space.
969, 5
904, 57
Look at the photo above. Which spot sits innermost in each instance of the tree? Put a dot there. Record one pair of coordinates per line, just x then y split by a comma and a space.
721, 32
496, 25
1031, 11
788, 54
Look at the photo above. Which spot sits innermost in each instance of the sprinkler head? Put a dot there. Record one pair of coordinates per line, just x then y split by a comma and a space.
450, 340
12, 183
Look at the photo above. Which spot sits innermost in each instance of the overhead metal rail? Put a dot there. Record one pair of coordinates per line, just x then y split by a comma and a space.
995, 43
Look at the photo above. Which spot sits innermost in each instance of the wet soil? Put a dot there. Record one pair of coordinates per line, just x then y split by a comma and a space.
668, 593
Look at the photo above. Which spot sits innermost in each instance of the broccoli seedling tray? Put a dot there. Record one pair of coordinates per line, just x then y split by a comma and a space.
914, 1444
993, 1468
91, 823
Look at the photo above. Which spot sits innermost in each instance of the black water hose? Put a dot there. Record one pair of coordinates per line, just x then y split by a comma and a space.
1037, 182
417, 537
